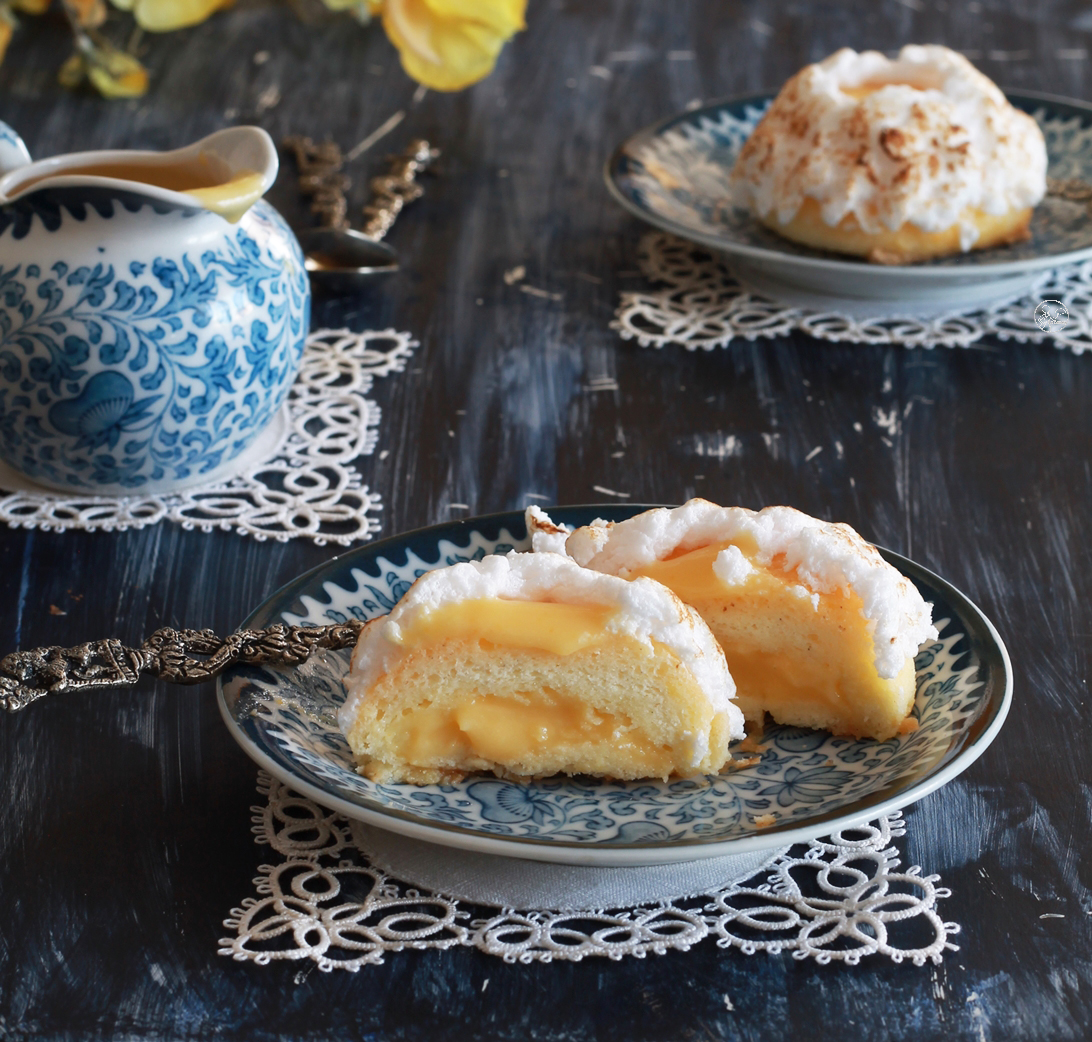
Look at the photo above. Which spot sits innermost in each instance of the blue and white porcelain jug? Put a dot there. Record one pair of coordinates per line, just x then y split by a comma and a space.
153, 312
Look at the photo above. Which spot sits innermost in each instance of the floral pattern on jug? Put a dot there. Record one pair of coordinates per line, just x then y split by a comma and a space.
144, 343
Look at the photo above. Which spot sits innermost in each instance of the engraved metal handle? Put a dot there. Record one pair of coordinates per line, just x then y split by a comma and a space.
398, 186
321, 178
26, 676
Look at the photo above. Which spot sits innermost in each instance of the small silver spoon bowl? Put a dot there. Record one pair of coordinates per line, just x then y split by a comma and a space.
336, 257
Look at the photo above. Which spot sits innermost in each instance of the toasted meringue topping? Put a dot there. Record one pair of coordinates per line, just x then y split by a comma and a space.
824, 557
924, 138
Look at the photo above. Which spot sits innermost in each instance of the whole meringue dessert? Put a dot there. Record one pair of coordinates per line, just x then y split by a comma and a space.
896, 160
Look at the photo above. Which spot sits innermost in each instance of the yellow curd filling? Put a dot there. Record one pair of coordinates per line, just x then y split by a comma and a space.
690, 575
518, 728
809, 665
542, 625
522, 726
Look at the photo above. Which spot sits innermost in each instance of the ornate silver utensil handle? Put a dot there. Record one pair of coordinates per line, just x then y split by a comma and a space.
26, 676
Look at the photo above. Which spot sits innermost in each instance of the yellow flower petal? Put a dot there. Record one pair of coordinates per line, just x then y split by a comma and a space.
7, 27
131, 84
72, 73
504, 16
113, 72
450, 44
160, 16
116, 74
30, 6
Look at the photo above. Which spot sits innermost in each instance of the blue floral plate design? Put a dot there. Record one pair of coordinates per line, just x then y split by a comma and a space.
804, 784
674, 175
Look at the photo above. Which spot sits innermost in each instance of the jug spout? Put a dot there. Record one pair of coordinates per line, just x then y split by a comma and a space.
13, 153
248, 159
225, 173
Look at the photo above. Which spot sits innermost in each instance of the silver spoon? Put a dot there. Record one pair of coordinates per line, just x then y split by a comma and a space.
337, 256
341, 252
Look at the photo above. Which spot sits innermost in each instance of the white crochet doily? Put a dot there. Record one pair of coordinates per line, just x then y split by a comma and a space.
302, 482
835, 899
700, 305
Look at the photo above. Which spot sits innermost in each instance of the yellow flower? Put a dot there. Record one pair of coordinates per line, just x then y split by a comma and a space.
450, 44
112, 72
160, 16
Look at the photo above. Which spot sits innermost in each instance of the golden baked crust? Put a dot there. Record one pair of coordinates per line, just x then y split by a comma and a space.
905, 245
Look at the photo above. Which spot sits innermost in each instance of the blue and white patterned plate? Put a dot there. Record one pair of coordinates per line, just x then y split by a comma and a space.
808, 783
674, 175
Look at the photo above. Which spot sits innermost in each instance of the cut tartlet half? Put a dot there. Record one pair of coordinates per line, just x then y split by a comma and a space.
818, 630
528, 665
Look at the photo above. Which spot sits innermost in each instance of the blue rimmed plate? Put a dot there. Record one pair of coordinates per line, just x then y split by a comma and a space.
674, 175
806, 783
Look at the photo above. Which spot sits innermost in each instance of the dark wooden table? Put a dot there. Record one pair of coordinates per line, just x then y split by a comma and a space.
125, 838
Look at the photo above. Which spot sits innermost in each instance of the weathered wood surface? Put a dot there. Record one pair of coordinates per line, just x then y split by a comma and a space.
126, 836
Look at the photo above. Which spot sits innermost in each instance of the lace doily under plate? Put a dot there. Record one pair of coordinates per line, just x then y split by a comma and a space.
326, 900
299, 481
700, 305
